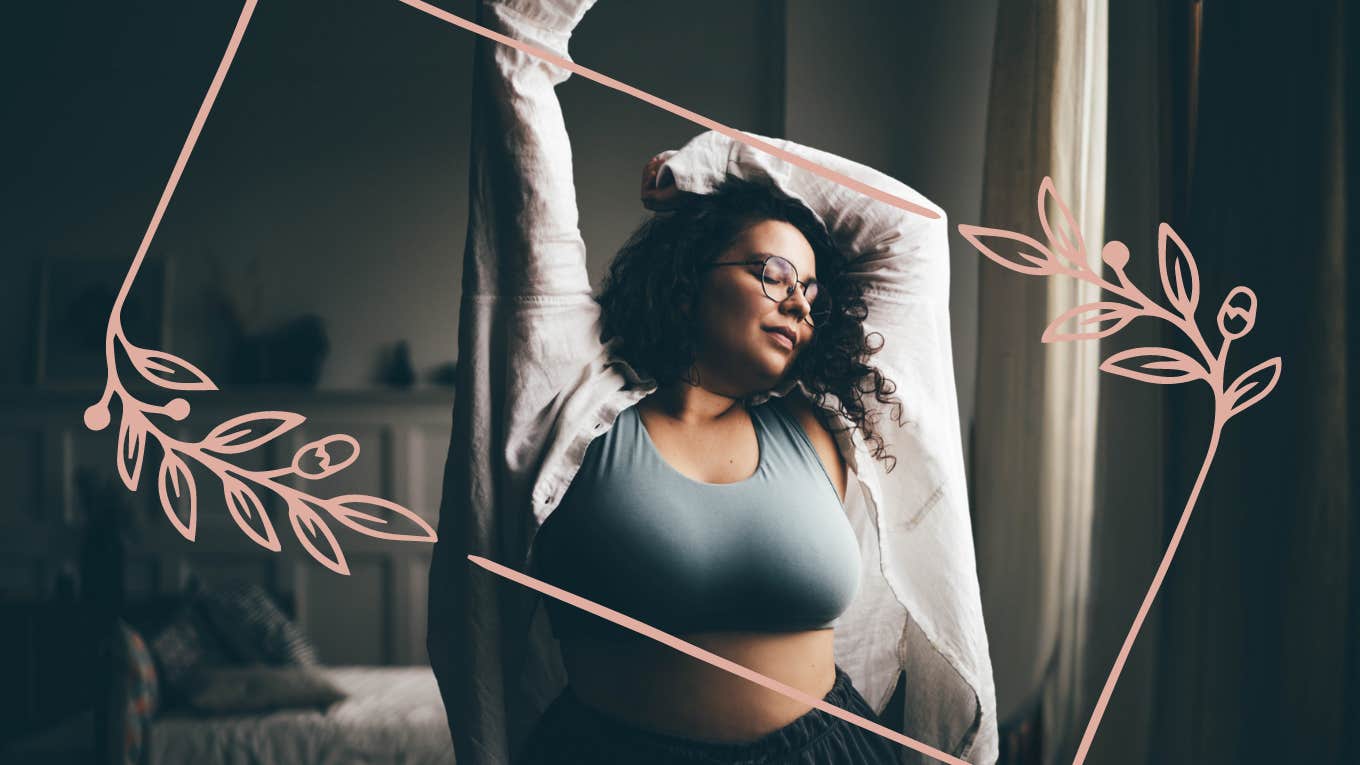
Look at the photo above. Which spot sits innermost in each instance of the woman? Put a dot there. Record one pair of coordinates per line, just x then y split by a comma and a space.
724, 524
678, 380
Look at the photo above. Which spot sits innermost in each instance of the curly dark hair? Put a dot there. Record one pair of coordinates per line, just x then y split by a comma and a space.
660, 268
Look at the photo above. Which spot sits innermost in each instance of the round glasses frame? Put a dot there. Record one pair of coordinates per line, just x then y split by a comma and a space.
818, 312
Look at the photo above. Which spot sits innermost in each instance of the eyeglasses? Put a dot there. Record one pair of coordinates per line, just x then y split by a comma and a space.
778, 277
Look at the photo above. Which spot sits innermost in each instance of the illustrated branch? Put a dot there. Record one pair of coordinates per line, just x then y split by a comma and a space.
372, 516
1065, 254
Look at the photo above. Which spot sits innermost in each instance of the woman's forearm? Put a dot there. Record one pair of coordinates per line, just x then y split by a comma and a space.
523, 231
907, 252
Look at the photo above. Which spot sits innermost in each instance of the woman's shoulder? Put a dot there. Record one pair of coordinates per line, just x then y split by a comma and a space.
802, 410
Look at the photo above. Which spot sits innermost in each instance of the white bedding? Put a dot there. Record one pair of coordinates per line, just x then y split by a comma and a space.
391, 715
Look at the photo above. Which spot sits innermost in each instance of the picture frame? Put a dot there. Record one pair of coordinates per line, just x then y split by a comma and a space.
75, 297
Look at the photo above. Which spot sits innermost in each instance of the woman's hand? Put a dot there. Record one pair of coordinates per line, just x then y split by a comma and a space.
659, 191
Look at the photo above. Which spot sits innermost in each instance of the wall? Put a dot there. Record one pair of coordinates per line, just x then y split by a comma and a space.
903, 87
331, 175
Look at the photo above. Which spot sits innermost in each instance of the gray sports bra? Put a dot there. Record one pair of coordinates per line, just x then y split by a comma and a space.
774, 552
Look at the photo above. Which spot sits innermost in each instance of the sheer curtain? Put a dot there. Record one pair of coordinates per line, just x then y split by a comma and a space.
1035, 432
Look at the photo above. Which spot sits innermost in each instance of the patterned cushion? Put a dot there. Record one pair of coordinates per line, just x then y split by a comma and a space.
140, 691
253, 629
182, 648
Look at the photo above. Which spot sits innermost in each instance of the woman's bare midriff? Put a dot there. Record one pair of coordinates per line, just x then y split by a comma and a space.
655, 687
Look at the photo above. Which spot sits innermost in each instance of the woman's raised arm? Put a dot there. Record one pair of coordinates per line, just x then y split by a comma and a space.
527, 325
898, 254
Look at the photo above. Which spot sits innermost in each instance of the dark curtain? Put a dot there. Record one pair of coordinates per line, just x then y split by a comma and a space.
1259, 614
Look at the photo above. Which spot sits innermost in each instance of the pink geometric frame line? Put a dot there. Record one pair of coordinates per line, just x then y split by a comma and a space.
372, 516
1164, 366
675, 109
683, 646
316, 460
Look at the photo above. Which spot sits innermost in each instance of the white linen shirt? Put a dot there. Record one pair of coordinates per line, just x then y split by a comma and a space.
536, 385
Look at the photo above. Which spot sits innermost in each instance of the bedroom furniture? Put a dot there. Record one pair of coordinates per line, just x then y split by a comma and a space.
369, 627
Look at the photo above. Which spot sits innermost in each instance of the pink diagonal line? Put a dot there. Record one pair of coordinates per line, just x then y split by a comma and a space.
683, 646
677, 110
183, 160
1151, 595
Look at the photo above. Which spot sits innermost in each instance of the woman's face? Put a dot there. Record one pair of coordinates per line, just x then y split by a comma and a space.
738, 351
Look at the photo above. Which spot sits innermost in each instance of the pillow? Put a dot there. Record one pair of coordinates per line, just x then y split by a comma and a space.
182, 648
138, 691
232, 690
253, 629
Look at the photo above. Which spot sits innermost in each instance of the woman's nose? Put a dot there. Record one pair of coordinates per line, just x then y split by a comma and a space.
796, 303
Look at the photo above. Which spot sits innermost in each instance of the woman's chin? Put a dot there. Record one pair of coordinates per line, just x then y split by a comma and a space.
764, 370
771, 374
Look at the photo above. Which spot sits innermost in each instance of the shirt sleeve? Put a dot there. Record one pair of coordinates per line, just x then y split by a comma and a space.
523, 231
527, 327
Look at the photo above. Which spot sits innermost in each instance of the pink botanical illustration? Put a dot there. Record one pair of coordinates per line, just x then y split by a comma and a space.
310, 516
179, 493
1065, 254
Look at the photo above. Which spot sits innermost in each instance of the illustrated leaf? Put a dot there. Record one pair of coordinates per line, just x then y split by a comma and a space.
241, 434
1258, 381
168, 370
248, 512
1066, 240
364, 514
1022, 262
316, 536
131, 449
1155, 365
317, 459
1120, 313
179, 497
1180, 275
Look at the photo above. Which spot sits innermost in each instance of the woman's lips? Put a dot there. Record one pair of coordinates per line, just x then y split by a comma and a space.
781, 338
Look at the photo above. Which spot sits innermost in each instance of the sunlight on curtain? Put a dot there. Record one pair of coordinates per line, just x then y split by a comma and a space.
1072, 369
1035, 430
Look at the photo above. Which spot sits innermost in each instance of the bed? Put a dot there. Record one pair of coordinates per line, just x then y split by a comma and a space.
223, 676
390, 715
